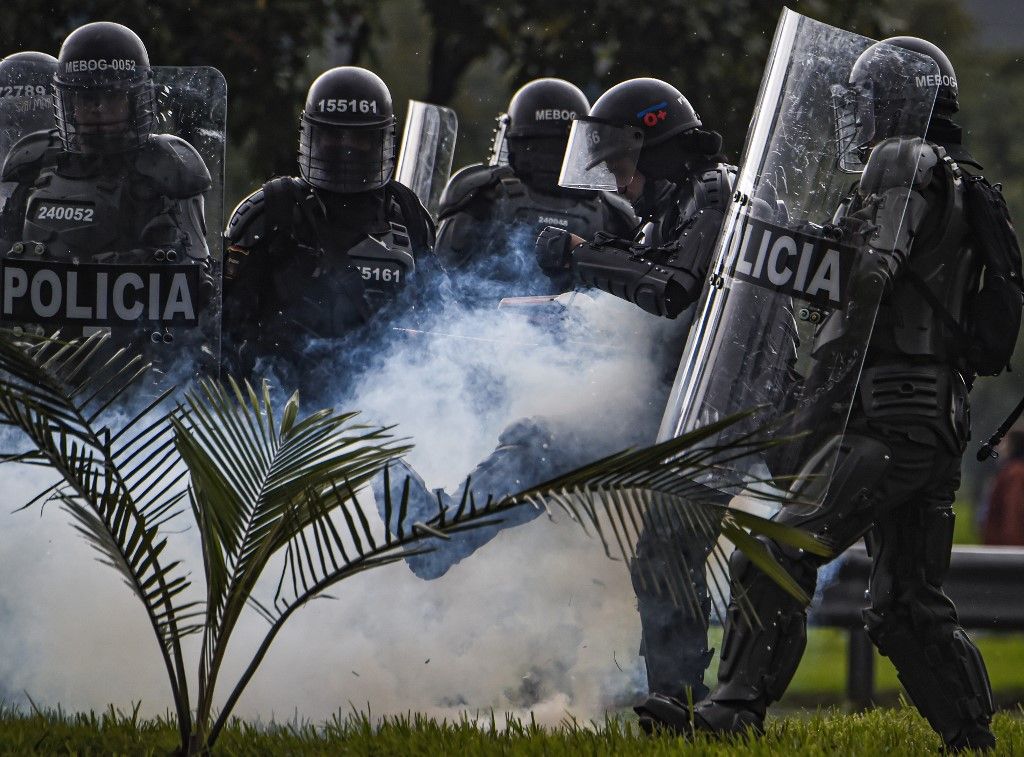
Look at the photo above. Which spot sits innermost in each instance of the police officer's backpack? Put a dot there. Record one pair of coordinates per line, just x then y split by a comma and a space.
994, 313
988, 333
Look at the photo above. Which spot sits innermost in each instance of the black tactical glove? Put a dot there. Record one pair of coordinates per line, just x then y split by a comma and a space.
552, 248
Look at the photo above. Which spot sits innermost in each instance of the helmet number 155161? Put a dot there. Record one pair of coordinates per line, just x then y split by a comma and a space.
347, 106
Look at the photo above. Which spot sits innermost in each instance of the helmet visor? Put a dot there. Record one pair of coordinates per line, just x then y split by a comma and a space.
106, 118
346, 158
600, 155
854, 110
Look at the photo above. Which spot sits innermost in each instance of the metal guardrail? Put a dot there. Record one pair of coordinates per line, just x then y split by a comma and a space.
985, 583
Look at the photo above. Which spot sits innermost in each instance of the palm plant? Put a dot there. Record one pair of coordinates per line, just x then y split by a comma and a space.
273, 490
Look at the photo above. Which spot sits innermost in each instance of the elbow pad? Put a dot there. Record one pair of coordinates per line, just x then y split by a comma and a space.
696, 245
894, 229
651, 286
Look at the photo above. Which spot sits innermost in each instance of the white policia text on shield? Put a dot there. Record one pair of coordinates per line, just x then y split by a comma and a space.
98, 295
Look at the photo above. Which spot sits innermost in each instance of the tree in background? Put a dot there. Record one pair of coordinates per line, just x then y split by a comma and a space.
463, 52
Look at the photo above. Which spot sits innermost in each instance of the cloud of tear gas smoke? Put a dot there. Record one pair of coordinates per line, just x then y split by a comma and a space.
538, 619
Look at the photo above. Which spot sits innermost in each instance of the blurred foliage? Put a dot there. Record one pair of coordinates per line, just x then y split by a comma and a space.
462, 52
473, 55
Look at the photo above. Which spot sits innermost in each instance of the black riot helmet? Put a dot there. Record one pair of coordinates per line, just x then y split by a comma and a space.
40, 67
640, 123
539, 117
947, 100
347, 132
103, 90
883, 93
27, 76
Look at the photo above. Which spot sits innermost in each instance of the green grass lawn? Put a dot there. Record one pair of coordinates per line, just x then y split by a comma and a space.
882, 731
824, 666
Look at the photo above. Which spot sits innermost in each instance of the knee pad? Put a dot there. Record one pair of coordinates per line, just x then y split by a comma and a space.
765, 632
802, 567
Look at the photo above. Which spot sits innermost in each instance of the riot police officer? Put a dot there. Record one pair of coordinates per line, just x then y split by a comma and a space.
490, 214
313, 258
898, 462
644, 139
103, 188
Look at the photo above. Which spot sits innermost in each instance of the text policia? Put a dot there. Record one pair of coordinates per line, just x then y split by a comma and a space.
98, 295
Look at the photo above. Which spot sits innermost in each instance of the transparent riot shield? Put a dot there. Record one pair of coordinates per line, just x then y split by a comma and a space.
428, 148
788, 313
25, 102
127, 241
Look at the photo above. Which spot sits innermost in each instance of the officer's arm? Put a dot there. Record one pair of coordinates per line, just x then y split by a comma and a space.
461, 237
465, 225
244, 248
661, 280
20, 169
894, 206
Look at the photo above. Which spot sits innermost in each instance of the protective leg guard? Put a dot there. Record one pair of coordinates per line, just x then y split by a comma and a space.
674, 639
944, 675
765, 634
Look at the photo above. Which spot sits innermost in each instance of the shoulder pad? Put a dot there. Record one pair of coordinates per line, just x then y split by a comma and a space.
398, 187
247, 221
413, 204
618, 205
718, 183
29, 153
898, 164
174, 166
464, 185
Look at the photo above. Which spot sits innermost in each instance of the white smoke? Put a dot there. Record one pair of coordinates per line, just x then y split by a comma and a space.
538, 619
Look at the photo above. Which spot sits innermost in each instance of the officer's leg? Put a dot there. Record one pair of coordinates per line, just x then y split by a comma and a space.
526, 455
765, 627
915, 625
421, 505
674, 637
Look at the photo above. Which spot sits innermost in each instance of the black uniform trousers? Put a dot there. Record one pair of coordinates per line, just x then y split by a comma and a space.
894, 483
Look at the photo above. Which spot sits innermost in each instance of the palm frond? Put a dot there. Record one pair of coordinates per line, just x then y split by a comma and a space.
674, 490
118, 489
258, 482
